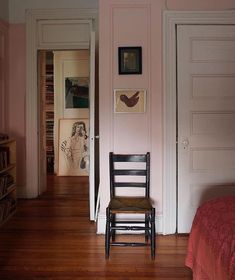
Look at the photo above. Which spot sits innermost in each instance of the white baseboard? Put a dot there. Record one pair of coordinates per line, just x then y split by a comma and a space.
22, 192
101, 223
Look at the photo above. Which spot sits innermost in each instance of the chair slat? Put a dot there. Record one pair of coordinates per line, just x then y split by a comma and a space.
130, 172
129, 185
129, 158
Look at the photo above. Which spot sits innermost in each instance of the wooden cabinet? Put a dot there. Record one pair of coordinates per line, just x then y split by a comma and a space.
7, 179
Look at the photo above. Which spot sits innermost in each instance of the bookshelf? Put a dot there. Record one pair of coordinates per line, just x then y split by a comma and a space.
49, 111
50, 116
7, 179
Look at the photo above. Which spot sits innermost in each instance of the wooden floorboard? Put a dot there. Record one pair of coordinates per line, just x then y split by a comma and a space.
51, 238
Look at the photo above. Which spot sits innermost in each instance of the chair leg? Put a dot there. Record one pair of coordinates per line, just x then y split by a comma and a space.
113, 219
146, 225
153, 233
107, 234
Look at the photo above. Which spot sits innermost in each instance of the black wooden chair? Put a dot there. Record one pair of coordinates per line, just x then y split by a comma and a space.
132, 172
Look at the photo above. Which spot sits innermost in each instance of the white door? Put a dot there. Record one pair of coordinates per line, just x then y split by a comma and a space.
206, 116
92, 128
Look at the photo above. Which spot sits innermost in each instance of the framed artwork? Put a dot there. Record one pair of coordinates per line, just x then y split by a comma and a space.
129, 60
76, 92
129, 100
73, 147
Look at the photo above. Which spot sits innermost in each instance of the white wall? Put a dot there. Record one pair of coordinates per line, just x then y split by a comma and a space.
4, 10
17, 7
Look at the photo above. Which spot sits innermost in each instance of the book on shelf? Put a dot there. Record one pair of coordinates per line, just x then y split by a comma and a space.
49, 149
49, 69
50, 79
3, 136
49, 141
6, 181
49, 124
4, 157
50, 115
49, 100
49, 107
7, 206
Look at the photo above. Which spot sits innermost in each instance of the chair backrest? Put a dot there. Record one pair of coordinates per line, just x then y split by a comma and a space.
125, 177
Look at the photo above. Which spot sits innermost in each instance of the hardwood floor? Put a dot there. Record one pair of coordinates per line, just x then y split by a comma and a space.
51, 238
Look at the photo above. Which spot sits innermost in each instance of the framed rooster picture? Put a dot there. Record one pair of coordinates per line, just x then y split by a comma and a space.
129, 100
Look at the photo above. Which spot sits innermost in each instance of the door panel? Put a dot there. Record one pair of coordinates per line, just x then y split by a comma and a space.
206, 115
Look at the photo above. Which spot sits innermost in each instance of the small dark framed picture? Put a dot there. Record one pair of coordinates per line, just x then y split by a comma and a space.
129, 60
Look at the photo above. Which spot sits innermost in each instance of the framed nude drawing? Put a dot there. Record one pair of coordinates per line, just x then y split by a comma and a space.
73, 147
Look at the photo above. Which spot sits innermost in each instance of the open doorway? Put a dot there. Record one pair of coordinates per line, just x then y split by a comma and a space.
65, 86
57, 29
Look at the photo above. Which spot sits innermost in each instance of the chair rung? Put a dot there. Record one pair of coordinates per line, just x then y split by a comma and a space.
129, 222
129, 228
129, 185
132, 244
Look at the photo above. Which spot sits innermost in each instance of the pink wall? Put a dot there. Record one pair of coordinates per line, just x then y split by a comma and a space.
122, 22
131, 23
3, 75
136, 23
16, 98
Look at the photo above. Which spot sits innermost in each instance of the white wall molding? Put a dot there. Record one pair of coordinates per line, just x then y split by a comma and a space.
17, 8
21, 193
4, 10
171, 20
50, 38
33, 18
32, 158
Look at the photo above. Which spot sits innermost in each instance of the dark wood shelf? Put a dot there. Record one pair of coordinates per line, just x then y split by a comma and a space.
8, 199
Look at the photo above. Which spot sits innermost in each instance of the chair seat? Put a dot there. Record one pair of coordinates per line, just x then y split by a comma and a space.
125, 204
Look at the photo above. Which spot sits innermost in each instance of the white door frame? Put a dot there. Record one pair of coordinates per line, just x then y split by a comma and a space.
32, 46
170, 21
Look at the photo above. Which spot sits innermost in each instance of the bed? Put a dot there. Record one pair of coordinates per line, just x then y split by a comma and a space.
211, 246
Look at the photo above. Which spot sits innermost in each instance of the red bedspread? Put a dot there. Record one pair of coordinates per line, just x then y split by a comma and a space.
211, 247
